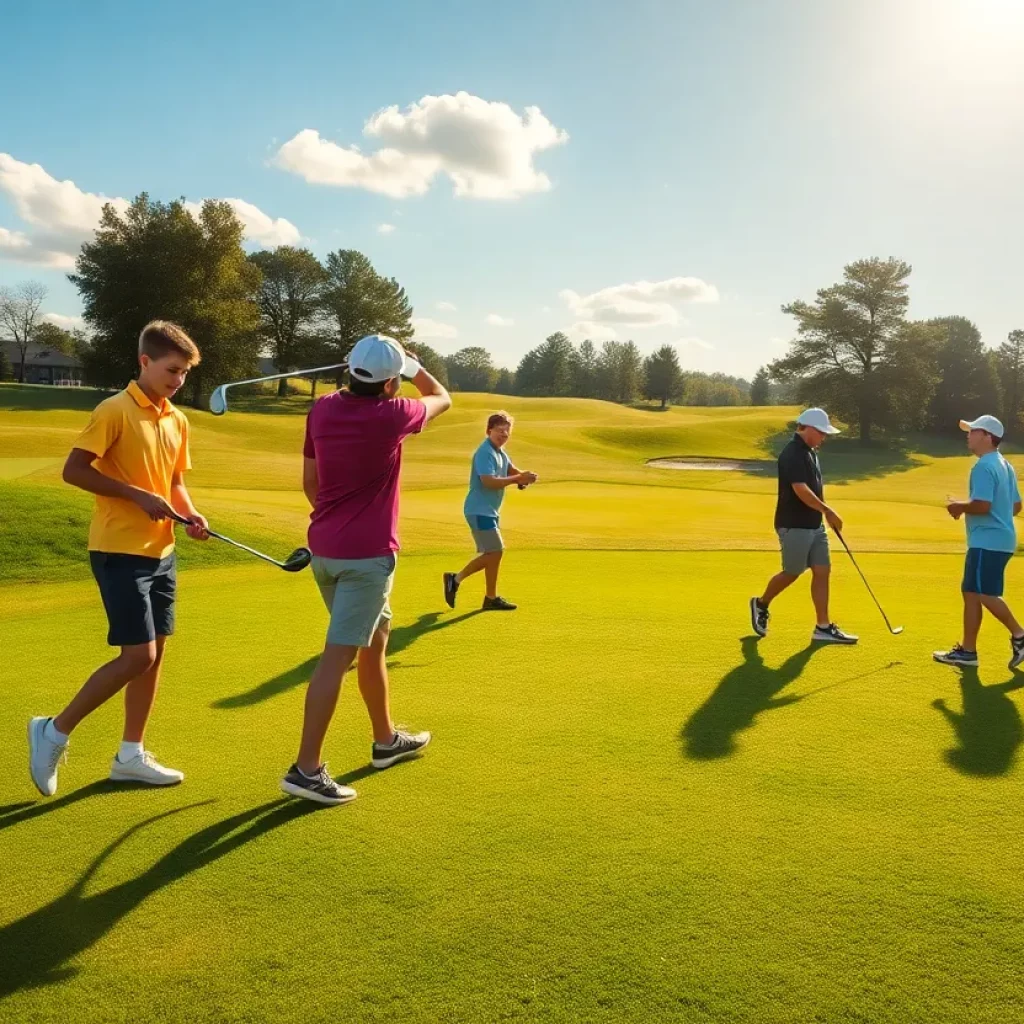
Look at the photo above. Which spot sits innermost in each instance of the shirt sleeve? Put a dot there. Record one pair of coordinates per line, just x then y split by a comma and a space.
184, 461
308, 448
487, 462
410, 416
983, 483
103, 429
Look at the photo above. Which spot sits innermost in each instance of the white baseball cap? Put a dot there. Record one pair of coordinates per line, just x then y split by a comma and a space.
378, 357
989, 423
818, 419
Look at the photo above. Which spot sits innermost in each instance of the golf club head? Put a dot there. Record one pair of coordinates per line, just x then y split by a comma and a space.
896, 630
297, 560
219, 401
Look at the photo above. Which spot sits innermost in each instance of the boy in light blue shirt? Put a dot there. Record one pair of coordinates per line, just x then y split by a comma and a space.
491, 472
991, 541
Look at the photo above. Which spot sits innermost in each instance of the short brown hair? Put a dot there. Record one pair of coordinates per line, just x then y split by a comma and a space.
498, 419
161, 338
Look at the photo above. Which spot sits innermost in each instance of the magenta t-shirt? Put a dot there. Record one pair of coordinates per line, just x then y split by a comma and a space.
357, 444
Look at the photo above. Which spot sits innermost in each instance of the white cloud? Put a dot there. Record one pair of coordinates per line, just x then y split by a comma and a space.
385, 229
496, 320
446, 307
692, 342
264, 230
584, 329
486, 150
640, 304
69, 323
62, 216
426, 328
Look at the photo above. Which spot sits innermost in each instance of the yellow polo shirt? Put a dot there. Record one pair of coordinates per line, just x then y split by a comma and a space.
144, 445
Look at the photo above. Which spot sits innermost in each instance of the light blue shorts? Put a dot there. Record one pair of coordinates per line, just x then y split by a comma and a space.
356, 592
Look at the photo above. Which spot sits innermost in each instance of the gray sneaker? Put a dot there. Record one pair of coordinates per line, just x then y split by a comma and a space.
320, 788
404, 745
832, 634
43, 756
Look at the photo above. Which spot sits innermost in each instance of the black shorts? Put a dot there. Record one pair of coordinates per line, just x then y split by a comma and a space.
138, 596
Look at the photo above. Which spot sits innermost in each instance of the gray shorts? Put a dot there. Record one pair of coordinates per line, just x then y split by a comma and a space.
802, 549
486, 534
356, 592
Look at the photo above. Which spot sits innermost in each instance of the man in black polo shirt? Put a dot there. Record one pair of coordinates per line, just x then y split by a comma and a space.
798, 522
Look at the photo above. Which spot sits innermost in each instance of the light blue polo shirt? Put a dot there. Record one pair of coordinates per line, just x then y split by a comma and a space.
993, 479
487, 461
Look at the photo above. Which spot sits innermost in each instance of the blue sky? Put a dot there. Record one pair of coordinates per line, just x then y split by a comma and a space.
690, 166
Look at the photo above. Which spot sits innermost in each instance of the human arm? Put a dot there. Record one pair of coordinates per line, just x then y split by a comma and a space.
181, 502
80, 472
811, 500
523, 482
433, 393
497, 483
983, 484
974, 507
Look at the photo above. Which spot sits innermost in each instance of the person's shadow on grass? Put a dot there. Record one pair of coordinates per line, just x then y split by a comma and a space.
38, 949
402, 637
989, 728
741, 695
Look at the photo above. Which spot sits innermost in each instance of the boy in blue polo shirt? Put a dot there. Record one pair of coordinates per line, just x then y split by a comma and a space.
991, 542
492, 471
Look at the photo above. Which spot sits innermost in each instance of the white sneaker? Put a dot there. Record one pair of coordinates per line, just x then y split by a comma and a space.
146, 768
43, 756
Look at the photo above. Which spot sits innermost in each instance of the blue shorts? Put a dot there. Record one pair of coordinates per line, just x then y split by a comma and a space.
138, 596
984, 571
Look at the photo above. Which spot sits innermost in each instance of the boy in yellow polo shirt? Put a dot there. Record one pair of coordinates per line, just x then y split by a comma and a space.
133, 456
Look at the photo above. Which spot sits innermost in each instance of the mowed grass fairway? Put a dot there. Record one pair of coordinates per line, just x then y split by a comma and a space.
631, 811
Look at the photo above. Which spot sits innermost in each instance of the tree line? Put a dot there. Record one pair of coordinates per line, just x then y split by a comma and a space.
857, 353
298, 310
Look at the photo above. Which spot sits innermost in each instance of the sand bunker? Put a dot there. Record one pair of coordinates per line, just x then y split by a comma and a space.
711, 464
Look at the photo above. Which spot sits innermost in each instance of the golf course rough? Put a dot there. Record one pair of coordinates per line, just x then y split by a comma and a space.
631, 811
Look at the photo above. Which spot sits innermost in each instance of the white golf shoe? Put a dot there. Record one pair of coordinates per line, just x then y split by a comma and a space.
144, 768
43, 756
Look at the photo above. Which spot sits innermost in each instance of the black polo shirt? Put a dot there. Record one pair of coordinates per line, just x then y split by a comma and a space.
798, 464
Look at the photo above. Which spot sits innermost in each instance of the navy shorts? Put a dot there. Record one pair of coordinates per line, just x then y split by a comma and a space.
138, 596
984, 571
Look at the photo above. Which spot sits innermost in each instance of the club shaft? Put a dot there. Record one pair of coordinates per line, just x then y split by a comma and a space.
878, 604
283, 376
233, 543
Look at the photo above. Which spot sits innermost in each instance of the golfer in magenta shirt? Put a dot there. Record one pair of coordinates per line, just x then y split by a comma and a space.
353, 457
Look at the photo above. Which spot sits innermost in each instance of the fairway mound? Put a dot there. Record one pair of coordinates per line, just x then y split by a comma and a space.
712, 463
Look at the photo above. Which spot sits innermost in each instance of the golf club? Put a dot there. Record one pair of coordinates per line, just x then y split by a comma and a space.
295, 562
894, 630
219, 398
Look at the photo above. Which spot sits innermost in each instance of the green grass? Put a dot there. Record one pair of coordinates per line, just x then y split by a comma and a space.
629, 812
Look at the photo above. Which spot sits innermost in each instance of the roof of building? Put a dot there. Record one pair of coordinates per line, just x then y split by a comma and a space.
38, 355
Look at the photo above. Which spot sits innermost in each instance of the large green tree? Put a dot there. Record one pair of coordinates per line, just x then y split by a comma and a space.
845, 337
1010, 368
471, 369
761, 388
290, 298
584, 370
359, 301
619, 372
663, 376
158, 261
50, 336
968, 385
548, 369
